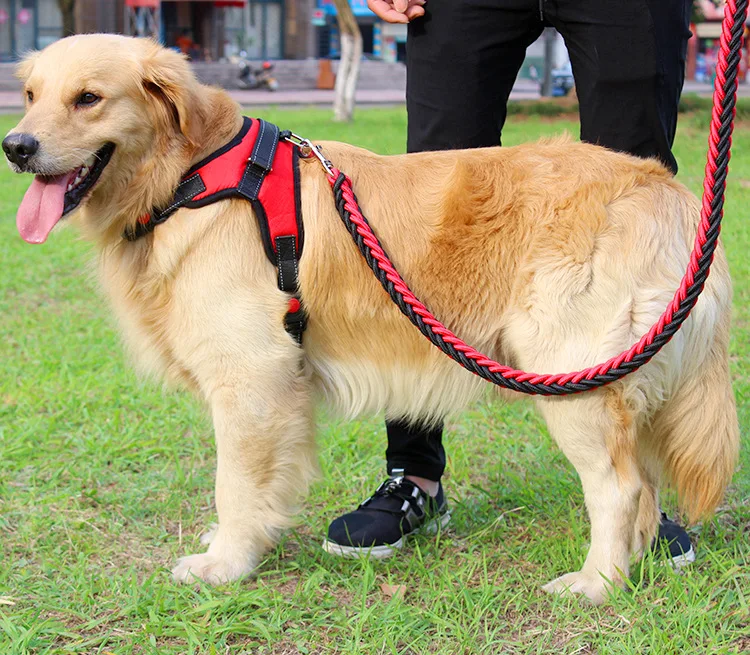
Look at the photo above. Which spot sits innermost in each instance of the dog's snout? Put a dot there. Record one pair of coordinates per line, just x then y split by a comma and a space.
19, 148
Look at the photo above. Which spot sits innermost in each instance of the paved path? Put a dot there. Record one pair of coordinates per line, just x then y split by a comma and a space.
523, 90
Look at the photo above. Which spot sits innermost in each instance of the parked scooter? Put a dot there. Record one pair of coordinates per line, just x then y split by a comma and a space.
561, 78
260, 78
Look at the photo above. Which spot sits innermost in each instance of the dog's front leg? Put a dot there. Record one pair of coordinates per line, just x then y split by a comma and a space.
265, 459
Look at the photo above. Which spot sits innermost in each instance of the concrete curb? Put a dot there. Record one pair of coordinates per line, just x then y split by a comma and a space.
11, 101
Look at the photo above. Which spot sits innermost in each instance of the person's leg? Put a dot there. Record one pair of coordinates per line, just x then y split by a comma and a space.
463, 57
671, 20
417, 449
629, 65
628, 62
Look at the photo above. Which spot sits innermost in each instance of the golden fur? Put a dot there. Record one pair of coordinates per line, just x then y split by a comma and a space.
550, 257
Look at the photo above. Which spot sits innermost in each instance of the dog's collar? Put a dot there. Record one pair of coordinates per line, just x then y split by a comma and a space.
262, 167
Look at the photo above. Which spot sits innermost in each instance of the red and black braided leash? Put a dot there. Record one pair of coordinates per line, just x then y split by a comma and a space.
720, 139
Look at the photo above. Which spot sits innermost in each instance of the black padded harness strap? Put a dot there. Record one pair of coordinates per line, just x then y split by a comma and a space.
287, 265
186, 191
260, 161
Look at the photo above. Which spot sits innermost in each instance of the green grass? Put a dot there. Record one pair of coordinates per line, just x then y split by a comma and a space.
105, 480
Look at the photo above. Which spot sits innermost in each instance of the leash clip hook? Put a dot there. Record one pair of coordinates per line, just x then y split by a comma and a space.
313, 150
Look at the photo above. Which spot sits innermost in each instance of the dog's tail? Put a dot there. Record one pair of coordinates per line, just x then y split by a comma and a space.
696, 431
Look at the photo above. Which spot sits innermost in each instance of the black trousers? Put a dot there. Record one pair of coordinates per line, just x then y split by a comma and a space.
462, 58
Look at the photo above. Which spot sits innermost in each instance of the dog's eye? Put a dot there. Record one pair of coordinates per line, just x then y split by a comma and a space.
30, 96
87, 99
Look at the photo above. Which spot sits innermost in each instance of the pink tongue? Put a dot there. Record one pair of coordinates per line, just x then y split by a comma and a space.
42, 207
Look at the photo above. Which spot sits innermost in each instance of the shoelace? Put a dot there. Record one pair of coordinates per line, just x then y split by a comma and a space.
395, 488
390, 487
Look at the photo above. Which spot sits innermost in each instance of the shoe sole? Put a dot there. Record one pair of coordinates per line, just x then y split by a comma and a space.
684, 559
386, 550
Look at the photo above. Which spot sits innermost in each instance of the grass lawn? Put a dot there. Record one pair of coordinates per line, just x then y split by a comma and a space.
105, 480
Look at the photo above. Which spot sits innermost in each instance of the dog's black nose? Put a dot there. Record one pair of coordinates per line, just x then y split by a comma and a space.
19, 148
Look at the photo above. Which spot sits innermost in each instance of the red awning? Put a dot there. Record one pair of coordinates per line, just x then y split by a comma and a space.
153, 4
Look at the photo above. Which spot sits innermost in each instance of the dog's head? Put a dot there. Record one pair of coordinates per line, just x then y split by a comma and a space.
110, 123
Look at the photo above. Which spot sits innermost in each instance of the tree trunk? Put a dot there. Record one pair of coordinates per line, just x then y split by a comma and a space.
67, 9
550, 37
351, 55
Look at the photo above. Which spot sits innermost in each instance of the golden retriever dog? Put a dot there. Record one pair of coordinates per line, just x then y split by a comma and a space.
550, 257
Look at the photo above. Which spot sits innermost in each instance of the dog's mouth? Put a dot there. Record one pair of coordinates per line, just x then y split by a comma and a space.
49, 198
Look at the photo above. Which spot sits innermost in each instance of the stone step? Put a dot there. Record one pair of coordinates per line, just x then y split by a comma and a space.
7, 80
303, 73
291, 74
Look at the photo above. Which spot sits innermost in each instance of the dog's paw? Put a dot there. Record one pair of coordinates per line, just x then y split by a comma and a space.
210, 568
594, 587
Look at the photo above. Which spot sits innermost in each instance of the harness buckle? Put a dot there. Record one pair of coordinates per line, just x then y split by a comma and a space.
295, 320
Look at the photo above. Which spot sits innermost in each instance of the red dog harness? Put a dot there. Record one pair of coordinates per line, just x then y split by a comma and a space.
263, 168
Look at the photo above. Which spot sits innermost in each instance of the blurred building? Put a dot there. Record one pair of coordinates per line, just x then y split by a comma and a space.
703, 49
27, 25
98, 15
209, 29
214, 30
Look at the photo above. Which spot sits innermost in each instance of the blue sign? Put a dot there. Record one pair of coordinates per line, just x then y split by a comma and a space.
359, 7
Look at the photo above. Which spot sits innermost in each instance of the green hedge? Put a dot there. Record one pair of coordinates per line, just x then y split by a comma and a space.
689, 103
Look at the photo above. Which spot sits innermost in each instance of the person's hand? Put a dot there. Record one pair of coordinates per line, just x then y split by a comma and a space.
397, 11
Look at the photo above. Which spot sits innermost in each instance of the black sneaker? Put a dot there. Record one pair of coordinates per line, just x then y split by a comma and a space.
676, 540
380, 525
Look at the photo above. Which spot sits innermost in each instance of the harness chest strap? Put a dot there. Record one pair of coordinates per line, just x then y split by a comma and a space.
261, 167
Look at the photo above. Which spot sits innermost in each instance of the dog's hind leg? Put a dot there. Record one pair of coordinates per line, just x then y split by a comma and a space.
647, 520
596, 433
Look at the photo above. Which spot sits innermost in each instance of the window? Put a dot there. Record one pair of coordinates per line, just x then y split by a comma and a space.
255, 29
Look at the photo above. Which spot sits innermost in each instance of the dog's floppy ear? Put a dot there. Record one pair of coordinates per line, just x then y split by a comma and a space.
26, 65
168, 78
